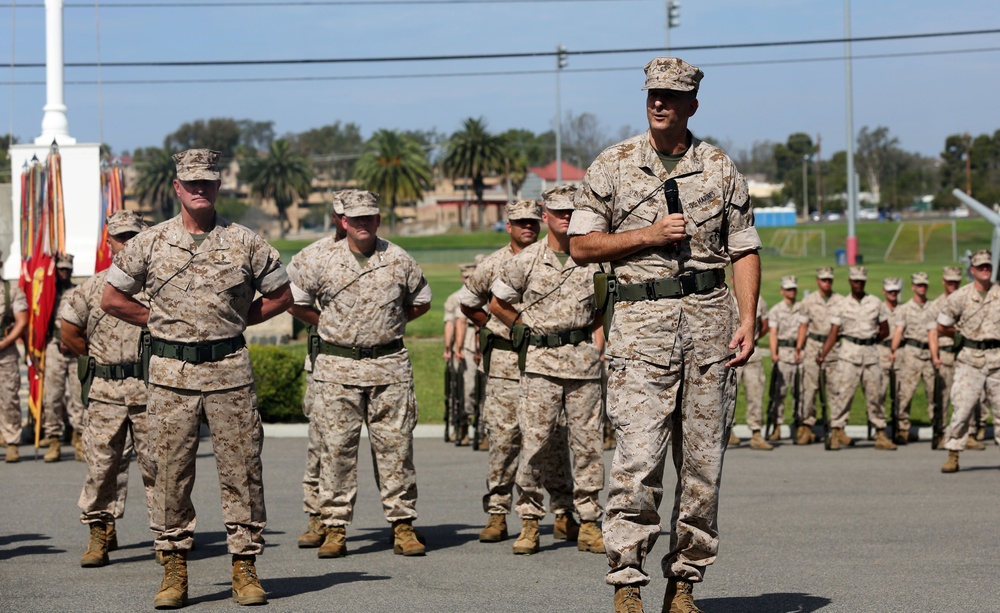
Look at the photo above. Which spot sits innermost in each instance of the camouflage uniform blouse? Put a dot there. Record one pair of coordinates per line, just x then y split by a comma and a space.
18, 304
815, 312
109, 341
359, 307
622, 191
198, 294
976, 318
552, 298
912, 318
861, 320
785, 320
476, 294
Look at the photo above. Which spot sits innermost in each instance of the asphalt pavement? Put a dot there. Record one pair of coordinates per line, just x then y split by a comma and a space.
802, 529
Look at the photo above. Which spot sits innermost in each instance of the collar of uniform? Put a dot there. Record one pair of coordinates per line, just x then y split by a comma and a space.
689, 164
378, 256
550, 258
178, 236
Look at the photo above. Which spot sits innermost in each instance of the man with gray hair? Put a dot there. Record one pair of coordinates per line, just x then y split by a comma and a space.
669, 213
200, 273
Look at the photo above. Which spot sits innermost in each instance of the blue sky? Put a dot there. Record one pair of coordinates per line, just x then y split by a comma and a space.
921, 98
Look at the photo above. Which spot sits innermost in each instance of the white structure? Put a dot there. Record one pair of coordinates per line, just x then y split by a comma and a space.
81, 167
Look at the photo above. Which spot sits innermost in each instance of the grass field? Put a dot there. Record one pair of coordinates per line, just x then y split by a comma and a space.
439, 257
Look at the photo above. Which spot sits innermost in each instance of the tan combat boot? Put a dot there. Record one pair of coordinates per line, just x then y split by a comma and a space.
54, 454
951, 464
805, 436
112, 536
974, 444
882, 441
173, 592
246, 586
901, 438
13, 455
405, 540
78, 446
679, 597
757, 442
980, 434
334, 543
462, 437
565, 527
845, 441
314, 535
734, 441
590, 538
775, 435
495, 530
527, 542
484, 444
628, 599
97, 548
834, 439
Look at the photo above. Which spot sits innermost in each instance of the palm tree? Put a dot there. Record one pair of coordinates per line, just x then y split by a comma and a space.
156, 170
396, 167
282, 176
473, 153
515, 167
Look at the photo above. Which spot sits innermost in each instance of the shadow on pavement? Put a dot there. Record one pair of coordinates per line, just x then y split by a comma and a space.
285, 587
771, 603
25, 550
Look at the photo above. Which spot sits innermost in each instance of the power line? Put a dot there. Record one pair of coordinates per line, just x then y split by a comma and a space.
503, 73
283, 4
521, 55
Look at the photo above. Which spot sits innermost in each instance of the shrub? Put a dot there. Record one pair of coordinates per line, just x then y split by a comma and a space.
280, 385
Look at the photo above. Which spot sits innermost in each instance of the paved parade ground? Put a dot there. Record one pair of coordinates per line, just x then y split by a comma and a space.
803, 529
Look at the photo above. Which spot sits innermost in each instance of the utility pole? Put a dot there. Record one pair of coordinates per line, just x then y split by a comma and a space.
673, 17
561, 61
819, 174
852, 193
968, 164
805, 187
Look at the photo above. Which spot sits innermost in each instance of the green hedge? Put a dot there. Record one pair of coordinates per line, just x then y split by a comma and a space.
280, 383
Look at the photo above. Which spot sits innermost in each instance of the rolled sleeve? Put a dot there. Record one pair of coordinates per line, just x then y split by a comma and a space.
469, 299
301, 297
505, 292
122, 281
584, 222
946, 320
835, 320
274, 280
422, 296
744, 241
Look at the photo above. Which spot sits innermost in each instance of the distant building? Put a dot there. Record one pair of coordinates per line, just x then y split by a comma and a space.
544, 177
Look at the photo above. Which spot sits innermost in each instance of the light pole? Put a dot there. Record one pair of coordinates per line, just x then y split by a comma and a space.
805, 187
673, 17
852, 190
561, 61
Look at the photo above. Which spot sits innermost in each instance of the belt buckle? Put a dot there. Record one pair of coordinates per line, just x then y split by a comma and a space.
688, 284
365, 353
650, 288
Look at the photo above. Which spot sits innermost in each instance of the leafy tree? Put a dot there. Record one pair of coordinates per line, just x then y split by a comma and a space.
788, 160
583, 138
515, 167
396, 167
6, 140
256, 135
333, 148
535, 149
220, 134
154, 185
473, 153
758, 160
281, 175
983, 153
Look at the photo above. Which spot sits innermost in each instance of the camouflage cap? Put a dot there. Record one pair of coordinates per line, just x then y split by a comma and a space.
824, 272
338, 205
789, 282
672, 73
559, 198
479, 257
892, 284
523, 209
983, 256
467, 269
919, 278
65, 260
198, 165
952, 273
359, 203
858, 273
122, 222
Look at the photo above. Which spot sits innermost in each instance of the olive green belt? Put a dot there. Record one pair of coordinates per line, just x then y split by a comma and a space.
782, 343
118, 372
671, 287
989, 343
817, 337
569, 337
502, 344
361, 353
912, 342
197, 353
860, 341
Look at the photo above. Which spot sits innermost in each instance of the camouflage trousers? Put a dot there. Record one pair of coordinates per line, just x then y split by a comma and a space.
783, 374
542, 400
10, 402
110, 433
842, 385
469, 372
174, 419
887, 365
810, 380
910, 371
972, 385
751, 378
310, 480
61, 400
947, 372
390, 411
648, 409
504, 436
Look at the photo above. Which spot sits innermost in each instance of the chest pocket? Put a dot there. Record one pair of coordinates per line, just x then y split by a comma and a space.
705, 223
643, 215
229, 283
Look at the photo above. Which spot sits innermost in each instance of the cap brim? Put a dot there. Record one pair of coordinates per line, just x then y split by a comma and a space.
199, 175
363, 211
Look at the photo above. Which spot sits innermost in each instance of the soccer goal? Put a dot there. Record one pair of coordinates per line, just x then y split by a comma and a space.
793, 243
912, 240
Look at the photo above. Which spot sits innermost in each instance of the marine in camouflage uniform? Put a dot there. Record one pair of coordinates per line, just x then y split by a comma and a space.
14, 310
814, 326
500, 407
115, 417
861, 322
784, 320
61, 397
974, 312
315, 534
891, 287
561, 372
359, 293
201, 273
751, 377
463, 355
674, 332
911, 355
